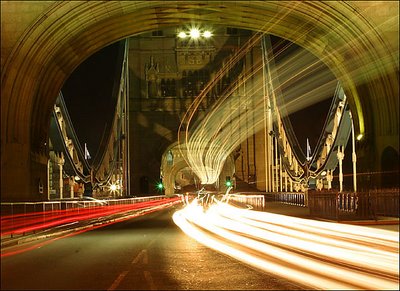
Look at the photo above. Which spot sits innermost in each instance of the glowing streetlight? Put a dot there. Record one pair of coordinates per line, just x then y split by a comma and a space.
113, 187
207, 34
182, 34
194, 33
359, 137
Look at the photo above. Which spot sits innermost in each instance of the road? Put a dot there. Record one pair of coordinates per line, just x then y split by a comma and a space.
143, 253
321, 255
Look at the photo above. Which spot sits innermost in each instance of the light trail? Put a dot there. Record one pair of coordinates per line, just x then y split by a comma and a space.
23, 249
305, 81
235, 117
316, 254
197, 144
36, 221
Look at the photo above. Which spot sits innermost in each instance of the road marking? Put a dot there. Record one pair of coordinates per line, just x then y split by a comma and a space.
118, 280
139, 256
149, 280
145, 258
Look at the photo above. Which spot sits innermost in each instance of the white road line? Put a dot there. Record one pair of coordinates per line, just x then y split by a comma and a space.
138, 257
149, 280
145, 257
118, 280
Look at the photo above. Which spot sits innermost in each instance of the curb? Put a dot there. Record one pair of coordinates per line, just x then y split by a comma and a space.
361, 222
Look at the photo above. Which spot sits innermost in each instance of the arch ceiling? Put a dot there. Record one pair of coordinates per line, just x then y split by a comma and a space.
68, 32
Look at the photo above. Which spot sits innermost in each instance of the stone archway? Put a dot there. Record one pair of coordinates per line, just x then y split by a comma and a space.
171, 168
54, 40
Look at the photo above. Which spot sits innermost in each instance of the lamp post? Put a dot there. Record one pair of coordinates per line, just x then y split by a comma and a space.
340, 156
353, 155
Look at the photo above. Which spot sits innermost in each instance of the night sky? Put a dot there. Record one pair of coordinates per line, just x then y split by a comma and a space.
307, 122
87, 96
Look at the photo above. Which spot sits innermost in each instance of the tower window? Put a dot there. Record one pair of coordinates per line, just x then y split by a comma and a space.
157, 33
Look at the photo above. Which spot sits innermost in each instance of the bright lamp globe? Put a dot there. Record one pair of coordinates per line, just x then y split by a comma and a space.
194, 33
182, 34
207, 34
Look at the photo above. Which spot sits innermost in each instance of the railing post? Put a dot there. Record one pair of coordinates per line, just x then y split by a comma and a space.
337, 206
375, 205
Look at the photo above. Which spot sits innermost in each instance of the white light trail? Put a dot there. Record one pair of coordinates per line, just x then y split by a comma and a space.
316, 254
238, 113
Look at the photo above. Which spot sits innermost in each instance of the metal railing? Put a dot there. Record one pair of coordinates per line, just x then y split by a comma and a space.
257, 201
22, 218
10, 208
291, 198
350, 205
385, 202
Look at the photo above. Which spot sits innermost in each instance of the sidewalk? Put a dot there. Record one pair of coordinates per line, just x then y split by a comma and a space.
382, 222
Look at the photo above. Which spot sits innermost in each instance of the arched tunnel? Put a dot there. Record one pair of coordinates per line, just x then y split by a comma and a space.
276, 238
50, 39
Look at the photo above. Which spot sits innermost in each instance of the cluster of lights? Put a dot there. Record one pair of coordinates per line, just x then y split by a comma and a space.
194, 33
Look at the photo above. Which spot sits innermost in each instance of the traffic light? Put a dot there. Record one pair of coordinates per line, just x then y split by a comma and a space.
160, 186
228, 182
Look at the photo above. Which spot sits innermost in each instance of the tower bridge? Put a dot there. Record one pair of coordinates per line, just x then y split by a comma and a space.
205, 92
363, 56
286, 169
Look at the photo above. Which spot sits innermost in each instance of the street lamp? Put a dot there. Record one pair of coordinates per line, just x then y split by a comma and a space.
113, 187
207, 34
353, 154
182, 34
194, 33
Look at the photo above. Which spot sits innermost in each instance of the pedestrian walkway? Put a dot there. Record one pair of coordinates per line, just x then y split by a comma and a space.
382, 222
88, 218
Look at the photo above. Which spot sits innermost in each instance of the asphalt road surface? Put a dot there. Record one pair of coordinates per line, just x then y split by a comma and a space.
144, 253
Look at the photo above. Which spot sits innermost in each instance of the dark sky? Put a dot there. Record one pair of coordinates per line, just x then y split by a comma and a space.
87, 96
307, 122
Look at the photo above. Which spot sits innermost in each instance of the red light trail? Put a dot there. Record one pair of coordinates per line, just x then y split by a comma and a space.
64, 216
35, 221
